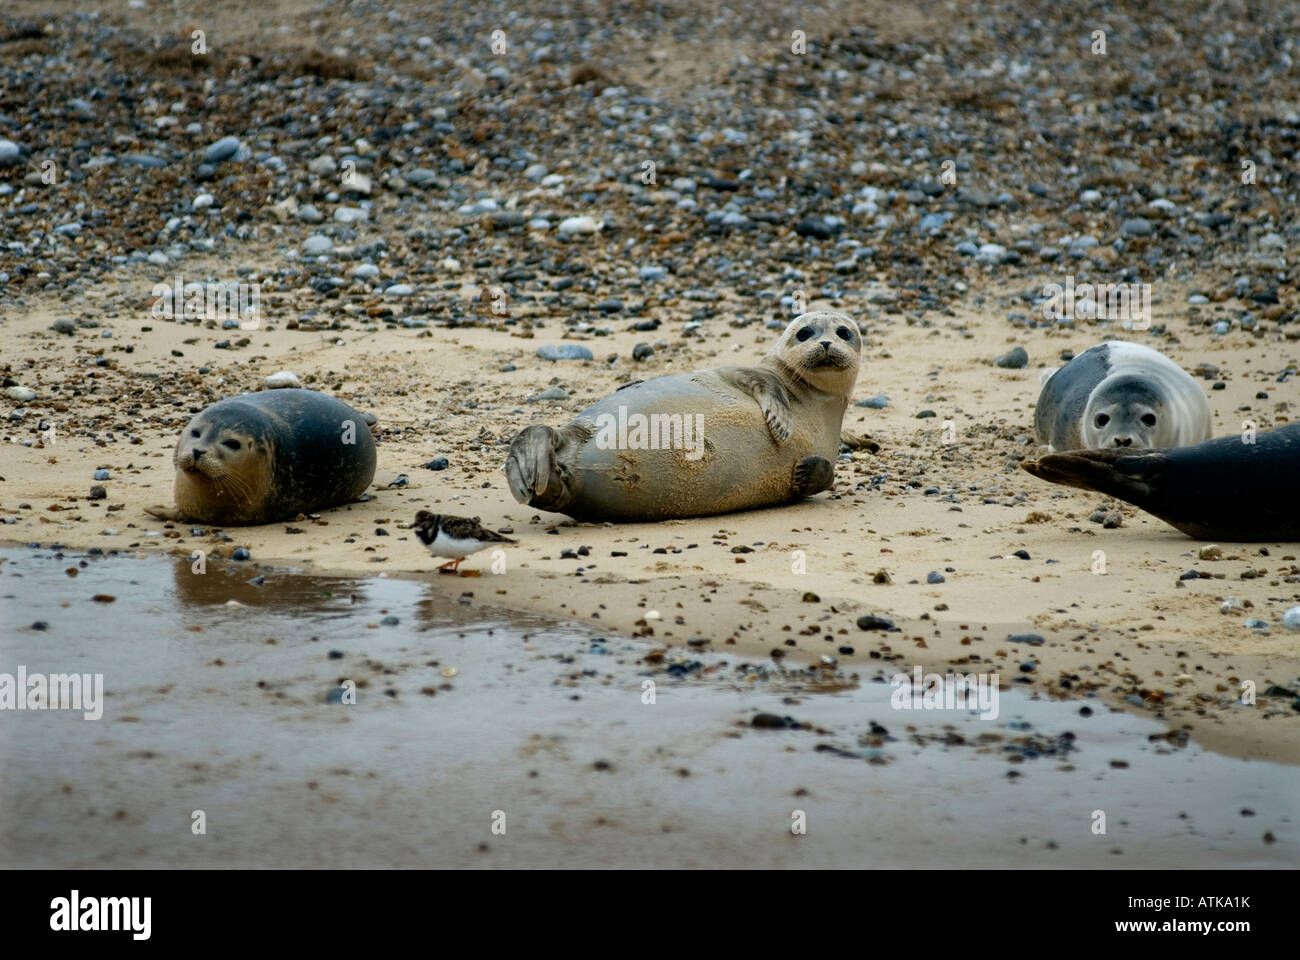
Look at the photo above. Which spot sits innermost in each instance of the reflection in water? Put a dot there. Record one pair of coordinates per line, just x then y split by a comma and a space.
223, 581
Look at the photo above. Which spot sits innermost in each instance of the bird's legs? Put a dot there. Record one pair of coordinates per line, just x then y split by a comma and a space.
453, 565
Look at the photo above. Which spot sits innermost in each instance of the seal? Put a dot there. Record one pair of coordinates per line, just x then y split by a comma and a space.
1120, 394
269, 456
1240, 488
702, 443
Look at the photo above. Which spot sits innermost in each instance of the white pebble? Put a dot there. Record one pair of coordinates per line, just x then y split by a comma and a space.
285, 378
578, 226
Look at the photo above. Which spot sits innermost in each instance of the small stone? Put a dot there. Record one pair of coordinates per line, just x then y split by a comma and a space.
103, 474
351, 215
873, 622
933, 577
223, 149
317, 245
1033, 639
1291, 619
878, 402
578, 226
642, 351
20, 394
323, 166
815, 227
98, 493
241, 553
10, 153
281, 380
568, 351
1136, 227
1015, 360
438, 463
504, 219
553, 393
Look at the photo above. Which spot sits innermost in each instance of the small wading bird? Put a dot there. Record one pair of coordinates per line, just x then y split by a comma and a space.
455, 537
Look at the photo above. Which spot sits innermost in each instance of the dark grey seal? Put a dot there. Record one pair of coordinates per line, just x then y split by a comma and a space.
1226, 489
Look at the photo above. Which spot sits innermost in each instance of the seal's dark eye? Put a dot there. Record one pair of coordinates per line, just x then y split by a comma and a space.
1102, 420
803, 334
232, 444
843, 334
194, 433
1149, 419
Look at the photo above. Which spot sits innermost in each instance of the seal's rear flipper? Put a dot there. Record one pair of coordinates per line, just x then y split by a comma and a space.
1128, 476
812, 475
535, 469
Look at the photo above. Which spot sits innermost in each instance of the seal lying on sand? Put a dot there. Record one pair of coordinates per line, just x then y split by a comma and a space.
1120, 394
270, 456
694, 444
1229, 489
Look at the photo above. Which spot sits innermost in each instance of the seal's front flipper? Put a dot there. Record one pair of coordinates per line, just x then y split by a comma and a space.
164, 513
812, 475
769, 394
1129, 476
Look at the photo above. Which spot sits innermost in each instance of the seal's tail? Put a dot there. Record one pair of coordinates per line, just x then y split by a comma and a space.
1126, 475
535, 476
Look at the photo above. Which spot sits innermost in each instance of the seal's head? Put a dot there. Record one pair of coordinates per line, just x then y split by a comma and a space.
223, 464
1124, 411
820, 349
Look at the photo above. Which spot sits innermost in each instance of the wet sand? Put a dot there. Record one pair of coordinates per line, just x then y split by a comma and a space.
1136, 632
467, 715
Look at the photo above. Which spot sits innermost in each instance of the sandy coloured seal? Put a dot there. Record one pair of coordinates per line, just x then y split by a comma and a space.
1243, 488
1120, 394
268, 456
695, 444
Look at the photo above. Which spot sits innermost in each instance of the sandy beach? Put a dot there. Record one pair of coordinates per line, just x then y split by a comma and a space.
422, 292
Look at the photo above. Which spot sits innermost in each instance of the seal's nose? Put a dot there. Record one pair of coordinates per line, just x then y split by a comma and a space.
1123, 441
197, 452
826, 345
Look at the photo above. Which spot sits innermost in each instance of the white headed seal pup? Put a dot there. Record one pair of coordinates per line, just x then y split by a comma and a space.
1243, 488
269, 456
1120, 394
695, 444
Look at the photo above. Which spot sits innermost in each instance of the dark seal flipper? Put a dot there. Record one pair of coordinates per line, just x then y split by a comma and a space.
1222, 489
812, 475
